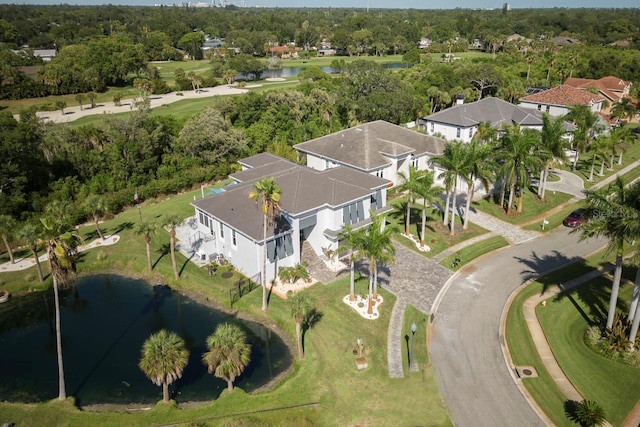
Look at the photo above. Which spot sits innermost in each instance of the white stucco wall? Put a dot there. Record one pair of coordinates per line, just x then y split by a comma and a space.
450, 133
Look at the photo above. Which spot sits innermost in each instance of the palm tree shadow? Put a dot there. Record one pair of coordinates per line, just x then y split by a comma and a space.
310, 320
123, 226
537, 268
163, 251
594, 297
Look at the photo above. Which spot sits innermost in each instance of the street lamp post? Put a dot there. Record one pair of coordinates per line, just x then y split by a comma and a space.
412, 365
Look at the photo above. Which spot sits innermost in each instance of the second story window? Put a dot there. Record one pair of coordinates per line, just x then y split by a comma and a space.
458, 133
221, 231
234, 241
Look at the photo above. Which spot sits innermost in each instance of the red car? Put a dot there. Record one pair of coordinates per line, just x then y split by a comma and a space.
575, 218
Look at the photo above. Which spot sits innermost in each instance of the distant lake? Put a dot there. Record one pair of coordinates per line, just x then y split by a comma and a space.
104, 324
294, 71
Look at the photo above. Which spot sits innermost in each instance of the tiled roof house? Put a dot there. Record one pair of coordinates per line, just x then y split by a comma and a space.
315, 205
558, 100
613, 88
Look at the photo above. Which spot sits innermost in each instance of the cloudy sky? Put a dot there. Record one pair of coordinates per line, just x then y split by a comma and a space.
374, 4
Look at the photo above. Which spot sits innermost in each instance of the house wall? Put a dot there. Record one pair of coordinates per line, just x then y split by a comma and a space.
450, 133
555, 110
319, 163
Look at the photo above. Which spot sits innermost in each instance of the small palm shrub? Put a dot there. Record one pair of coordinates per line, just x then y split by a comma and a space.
590, 413
293, 274
613, 343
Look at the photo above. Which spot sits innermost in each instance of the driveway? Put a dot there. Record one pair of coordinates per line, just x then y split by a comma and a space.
466, 347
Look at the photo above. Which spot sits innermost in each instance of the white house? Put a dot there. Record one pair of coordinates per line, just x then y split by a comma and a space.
460, 122
314, 204
378, 148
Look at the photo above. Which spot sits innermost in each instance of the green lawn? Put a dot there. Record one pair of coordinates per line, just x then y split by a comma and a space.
436, 236
468, 254
327, 380
532, 206
564, 321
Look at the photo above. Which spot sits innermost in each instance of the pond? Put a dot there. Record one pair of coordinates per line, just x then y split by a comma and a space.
294, 71
105, 320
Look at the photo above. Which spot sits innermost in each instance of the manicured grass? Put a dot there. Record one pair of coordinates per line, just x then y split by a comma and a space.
555, 219
474, 251
532, 206
328, 374
564, 321
420, 354
614, 385
436, 236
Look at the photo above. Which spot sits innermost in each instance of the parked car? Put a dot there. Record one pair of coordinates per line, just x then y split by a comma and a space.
575, 218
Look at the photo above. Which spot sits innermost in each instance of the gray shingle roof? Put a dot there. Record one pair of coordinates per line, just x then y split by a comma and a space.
302, 189
369, 146
491, 109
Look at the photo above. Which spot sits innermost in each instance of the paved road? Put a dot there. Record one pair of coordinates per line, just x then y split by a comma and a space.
466, 353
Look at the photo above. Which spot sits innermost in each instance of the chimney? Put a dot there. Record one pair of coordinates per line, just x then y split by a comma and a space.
460, 99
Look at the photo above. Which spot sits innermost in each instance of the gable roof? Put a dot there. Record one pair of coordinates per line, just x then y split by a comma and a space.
610, 86
563, 95
494, 110
302, 190
369, 146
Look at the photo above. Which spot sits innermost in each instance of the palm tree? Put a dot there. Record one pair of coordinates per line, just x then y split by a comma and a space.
453, 161
551, 138
351, 240
164, 357
607, 216
597, 148
478, 168
267, 194
147, 230
623, 109
301, 305
377, 248
623, 138
229, 353
7, 225
170, 222
30, 236
583, 117
485, 132
589, 413
61, 247
519, 153
409, 185
96, 206
430, 196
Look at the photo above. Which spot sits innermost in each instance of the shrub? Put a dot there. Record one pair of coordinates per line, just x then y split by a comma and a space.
590, 413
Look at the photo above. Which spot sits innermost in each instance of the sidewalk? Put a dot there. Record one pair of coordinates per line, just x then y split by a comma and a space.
24, 263
541, 344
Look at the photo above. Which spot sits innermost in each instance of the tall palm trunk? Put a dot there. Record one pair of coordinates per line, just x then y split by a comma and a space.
547, 171
601, 168
264, 263
512, 191
445, 221
147, 241
172, 246
620, 158
370, 297
465, 225
299, 336
541, 181
452, 228
575, 160
611, 161
96, 220
634, 311
34, 251
352, 280
62, 393
424, 222
407, 221
593, 166
635, 296
615, 288
5, 239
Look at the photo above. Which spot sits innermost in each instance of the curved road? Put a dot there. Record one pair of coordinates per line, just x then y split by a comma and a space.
465, 346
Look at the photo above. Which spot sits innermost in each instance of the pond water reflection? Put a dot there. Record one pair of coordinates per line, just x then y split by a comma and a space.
105, 320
